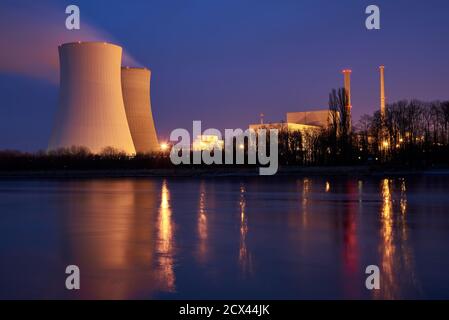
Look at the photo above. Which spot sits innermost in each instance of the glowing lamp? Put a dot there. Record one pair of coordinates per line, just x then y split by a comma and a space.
164, 146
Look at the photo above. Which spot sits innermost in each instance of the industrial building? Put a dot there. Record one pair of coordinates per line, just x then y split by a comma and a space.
309, 121
317, 118
136, 97
285, 126
102, 105
207, 142
303, 121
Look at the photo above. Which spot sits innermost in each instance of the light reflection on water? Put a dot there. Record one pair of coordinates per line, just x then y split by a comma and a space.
305, 195
166, 241
179, 238
396, 254
351, 254
245, 258
202, 224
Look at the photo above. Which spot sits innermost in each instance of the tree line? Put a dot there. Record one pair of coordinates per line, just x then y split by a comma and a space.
409, 133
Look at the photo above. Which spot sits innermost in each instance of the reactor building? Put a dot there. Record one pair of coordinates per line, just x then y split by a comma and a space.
311, 121
102, 105
136, 97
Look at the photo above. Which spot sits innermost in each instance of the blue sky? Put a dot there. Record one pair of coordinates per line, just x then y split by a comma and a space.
225, 62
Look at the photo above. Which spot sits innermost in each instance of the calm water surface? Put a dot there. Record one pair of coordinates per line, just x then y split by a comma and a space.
267, 238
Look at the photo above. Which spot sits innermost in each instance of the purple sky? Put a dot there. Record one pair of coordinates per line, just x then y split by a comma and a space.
225, 62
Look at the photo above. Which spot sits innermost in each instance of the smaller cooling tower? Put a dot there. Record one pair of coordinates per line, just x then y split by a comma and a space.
136, 96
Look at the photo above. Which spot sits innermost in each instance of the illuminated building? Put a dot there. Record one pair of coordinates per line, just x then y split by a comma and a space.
207, 142
291, 127
317, 118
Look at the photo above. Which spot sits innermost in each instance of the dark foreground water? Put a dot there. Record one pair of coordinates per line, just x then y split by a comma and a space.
274, 238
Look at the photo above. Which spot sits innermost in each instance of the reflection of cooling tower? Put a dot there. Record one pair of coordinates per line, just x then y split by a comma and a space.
136, 96
91, 111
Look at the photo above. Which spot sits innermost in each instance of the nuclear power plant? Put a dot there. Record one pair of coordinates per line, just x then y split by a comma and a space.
136, 96
94, 112
104, 105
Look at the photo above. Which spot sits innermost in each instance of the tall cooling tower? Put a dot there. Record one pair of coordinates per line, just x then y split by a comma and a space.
91, 111
136, 96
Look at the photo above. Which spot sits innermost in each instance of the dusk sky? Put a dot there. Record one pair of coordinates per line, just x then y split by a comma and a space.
225, 62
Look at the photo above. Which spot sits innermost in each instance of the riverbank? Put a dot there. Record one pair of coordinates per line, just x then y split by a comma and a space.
222, 172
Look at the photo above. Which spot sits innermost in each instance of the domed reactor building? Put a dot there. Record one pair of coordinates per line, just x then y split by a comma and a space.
136, 96
91, 111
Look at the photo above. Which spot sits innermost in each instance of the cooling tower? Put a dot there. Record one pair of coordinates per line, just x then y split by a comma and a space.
136, 96
91, 111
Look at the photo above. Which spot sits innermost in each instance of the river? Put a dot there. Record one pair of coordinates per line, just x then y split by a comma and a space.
225, 238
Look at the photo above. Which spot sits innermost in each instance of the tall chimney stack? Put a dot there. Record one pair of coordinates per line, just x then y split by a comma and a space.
347, 77
382, 92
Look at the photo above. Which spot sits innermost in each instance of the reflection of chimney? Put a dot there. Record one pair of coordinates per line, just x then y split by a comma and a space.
382, 92
347, 75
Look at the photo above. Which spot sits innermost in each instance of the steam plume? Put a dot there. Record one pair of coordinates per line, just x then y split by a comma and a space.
29, 40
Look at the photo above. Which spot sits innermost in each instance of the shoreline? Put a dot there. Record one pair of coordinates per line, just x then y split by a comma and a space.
343, 171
